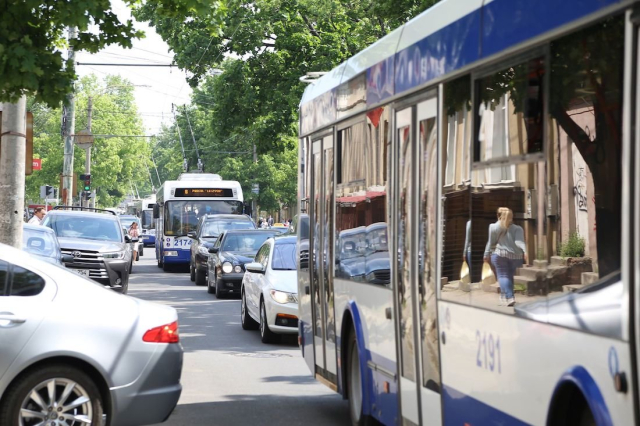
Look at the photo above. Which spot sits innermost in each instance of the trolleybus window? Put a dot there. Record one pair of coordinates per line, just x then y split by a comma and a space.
182, 216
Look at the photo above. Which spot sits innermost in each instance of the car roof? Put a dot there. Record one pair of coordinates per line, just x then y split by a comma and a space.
285, 239
243, 231
81, 213
38, 228
128, 216
227, 216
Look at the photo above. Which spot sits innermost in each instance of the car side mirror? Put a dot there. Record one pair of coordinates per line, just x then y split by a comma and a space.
191, 234
127, 238
67, 258
254, 267
214, 249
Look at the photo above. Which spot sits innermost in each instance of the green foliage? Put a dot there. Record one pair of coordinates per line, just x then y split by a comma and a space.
573, 247
117, 163
32, 36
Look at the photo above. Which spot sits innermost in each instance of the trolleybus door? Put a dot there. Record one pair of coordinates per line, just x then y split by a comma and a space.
304, 266
321, 252
415, 292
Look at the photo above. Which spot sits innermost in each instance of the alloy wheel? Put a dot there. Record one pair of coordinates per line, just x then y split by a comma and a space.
57, 402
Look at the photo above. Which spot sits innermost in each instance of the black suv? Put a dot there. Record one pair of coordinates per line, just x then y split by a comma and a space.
206, 233
95, 239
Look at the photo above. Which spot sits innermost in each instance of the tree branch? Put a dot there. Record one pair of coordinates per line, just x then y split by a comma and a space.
309, 25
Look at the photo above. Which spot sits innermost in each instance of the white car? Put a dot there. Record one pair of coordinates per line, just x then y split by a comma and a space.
270, 290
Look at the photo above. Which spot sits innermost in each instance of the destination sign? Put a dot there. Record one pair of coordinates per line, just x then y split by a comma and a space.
204, 192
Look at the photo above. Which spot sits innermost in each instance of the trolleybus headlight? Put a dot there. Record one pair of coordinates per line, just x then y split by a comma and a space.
171, 253
227, 267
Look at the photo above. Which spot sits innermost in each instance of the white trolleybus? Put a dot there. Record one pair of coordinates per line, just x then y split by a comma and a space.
410, 150
179, 206
148, 236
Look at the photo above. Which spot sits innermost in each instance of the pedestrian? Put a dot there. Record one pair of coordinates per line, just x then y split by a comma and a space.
134, 232
507, 251
38, 216
270, 221
260, 223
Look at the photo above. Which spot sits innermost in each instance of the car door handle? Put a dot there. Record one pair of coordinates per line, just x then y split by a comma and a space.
12, 318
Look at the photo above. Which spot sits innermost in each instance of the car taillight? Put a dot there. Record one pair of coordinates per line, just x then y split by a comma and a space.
163, 334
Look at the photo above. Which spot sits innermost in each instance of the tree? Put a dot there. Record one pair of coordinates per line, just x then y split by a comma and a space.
32, 34
116, 161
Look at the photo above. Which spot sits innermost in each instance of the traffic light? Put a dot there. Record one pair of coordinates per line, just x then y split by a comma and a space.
48, 191
86, 182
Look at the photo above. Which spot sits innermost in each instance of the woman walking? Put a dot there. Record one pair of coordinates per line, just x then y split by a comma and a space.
507, 251
134, 233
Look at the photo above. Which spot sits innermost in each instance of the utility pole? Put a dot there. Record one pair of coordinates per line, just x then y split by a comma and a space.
12, 169
69, 124
87, 151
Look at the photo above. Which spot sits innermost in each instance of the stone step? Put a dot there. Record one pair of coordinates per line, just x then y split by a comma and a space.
490, 288
542, 264
529, 286
589, 278
570, 288
532, 272
558, 261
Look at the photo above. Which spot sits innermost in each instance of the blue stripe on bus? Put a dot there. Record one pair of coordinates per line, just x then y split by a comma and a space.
446, 50
184, 256
506, 23
581, 378
460, 409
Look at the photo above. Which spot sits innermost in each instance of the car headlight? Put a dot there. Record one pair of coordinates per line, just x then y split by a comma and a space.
237, 269
283, 297
114, 255
203, 250
227, 267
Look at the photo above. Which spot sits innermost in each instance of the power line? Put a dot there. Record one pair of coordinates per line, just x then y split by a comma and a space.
124, 65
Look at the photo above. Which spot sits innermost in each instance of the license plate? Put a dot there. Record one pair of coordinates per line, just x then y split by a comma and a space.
83, 272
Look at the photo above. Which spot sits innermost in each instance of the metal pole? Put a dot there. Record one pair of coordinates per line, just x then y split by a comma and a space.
68, 131
157, 174
87, 151
12, 168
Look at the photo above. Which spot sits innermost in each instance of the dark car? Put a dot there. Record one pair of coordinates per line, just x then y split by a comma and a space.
42, 242
97, 243
228, 256
206, 233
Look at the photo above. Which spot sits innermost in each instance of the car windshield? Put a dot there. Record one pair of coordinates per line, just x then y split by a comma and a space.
94, 227
376, 240
127, 221
181, 217
213, 228
284, 257
248, 242
40, 243
352, 245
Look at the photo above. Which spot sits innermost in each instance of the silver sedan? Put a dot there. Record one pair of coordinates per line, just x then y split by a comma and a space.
73, 352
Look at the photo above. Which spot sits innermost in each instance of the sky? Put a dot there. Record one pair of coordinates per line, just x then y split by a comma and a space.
156, 88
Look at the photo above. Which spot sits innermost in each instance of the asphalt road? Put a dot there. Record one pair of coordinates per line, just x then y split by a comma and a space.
229, 376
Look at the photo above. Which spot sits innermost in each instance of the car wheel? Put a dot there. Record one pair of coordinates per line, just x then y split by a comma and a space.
53, 394
211, 289
266, 335
354, 384
219, 290
200, 277
192, 272
248, 323
140, 251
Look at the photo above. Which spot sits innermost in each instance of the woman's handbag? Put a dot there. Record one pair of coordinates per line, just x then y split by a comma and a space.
488, 276
465, 277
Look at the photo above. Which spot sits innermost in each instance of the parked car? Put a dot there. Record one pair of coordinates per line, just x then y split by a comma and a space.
227, 258
70, 352
270, 290
42, 242
206, 233
127, 220
96, 241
